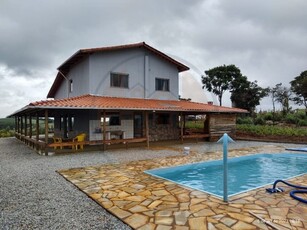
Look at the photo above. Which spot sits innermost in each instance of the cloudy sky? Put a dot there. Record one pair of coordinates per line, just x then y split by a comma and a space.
267, 40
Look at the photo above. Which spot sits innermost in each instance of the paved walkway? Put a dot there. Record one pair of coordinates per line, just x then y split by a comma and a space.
146, 202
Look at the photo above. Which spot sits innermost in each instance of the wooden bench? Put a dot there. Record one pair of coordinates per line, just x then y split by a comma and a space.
109, 142
195, 136
125, 141
68, 144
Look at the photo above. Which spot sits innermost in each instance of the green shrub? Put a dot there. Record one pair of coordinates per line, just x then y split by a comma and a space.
264, 130
268, 116
302, 122
7, 123
6, 133
197, 124
278, 116
244, 120
291, 119
259, 121
301, 114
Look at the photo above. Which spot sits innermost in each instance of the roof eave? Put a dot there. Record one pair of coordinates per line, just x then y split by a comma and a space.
26, 108
68, 59
21, 110
181, 67
55, 85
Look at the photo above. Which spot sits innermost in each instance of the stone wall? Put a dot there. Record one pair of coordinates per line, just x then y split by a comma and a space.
220, 124
170, 131
217, 125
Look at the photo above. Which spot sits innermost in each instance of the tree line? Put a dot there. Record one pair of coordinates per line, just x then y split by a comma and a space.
247, 95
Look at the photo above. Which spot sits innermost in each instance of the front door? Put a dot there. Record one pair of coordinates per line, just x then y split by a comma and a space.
138, 125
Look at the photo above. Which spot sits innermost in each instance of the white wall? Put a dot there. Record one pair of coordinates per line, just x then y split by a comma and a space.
159, 68
92, 75
132, 62
124, 61
79, 74
126, 125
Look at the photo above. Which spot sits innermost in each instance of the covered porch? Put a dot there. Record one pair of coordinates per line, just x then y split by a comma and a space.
77, 123
53, 130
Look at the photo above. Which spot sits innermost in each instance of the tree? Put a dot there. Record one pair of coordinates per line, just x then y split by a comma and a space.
272, 92
246, 94
219, 79
299, 87
283, 96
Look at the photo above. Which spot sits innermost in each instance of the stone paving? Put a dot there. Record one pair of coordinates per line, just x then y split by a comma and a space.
146, 202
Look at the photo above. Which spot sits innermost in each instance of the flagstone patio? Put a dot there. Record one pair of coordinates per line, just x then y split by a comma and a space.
146, 202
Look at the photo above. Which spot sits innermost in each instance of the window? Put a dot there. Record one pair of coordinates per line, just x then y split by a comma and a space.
162, 84
71, 86
114, 120
163, 119
111, 119
119, 80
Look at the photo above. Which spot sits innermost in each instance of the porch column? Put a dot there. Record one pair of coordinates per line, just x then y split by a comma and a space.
26, 126
30, 124
207, 126
21, 128
147, 128
37, 127
69, 122
46, 132
20, 125
37, 132
181, 127
65, 126
16, 125
104, 130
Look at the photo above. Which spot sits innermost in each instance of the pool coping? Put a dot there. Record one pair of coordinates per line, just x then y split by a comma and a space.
144, 202
217, 162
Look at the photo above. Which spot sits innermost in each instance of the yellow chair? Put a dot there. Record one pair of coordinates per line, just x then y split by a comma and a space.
57, 140
79, 138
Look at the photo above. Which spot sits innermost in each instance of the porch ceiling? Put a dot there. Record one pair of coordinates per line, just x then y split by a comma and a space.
88, 101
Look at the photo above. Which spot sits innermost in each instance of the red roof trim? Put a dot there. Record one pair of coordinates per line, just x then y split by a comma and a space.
82, 52
109, 103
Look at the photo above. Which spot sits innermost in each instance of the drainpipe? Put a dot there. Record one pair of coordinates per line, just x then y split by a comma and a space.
67, 80
146, 75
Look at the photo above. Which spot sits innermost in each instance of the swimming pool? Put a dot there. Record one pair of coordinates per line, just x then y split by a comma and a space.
244, 173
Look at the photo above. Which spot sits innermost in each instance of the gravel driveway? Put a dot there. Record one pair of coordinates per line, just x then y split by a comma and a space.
34, 196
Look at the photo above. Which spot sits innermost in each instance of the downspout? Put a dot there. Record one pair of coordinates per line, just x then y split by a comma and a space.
146, 75
67, 80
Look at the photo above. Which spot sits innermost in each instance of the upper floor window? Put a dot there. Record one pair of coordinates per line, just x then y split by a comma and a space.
162, 84
119, 80
71, 86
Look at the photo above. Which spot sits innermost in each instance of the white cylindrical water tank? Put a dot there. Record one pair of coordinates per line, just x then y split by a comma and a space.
186, 150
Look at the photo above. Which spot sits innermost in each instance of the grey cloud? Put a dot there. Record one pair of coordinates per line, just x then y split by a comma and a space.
272, 15
265, 39
34, 32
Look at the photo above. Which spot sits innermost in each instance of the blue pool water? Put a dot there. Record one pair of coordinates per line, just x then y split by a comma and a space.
244, 173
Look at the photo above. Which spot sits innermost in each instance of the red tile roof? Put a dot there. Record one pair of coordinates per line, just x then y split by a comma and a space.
80, 54
117, 103
85, 52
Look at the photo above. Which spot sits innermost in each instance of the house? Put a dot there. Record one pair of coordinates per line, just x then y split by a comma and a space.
119, 94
